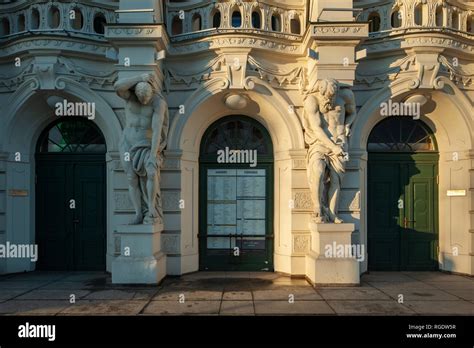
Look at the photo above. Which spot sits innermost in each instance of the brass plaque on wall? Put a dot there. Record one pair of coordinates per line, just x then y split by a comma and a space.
18, 193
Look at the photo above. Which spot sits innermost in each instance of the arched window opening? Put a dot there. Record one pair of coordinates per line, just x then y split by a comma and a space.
197, 22
236, 19
295, 25
35, 19
470, 24
177, 26
276, 22
77, 20
216, 20
401, 134
54, 17
455, 20
374, 22
419, 13
236, 133
21, 23
72, 135
396, 20
4, 27
439, 16
99, 23
256, 20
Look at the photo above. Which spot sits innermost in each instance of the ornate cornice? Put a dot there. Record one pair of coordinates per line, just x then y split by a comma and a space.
420, 39
15, 48
237, 40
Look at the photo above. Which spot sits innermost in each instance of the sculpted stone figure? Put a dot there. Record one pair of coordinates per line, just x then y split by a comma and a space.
329, 114
143, 141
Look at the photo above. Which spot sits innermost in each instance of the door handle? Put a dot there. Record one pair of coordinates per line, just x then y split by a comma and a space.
76, 221
406, 221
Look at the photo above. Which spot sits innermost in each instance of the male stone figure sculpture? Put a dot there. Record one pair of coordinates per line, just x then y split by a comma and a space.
329, 114
143, 141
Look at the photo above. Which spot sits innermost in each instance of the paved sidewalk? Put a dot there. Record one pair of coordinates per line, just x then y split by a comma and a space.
423, 293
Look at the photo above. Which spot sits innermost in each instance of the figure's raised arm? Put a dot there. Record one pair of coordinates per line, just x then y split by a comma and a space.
159, 124
123, 86
351, 108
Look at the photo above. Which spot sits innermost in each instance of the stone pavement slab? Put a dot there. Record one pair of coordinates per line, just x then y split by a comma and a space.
398, 286
173, 295
122, 294
105, 307
467, 295
237, 296
296, 308
453, 285
421, 294
299, 294
64, 295
187, 308
23, 284
6, 294
32, 307
441, 307
385, 277
438, 276
353, 294
237, 308
364, 307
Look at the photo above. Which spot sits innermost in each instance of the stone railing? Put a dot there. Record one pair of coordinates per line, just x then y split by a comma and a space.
52, 17
198, 16
392, 15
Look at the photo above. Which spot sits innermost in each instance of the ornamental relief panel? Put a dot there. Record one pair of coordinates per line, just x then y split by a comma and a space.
349, 201
301, 243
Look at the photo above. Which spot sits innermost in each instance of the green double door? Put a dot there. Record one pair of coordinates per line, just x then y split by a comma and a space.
403, 212
70, 212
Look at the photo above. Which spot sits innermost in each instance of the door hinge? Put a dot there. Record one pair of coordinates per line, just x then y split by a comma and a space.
437, 179
36, 179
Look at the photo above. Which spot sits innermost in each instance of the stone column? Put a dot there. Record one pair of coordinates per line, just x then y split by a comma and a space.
140, 40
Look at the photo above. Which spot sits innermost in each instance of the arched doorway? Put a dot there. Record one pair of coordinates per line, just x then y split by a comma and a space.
402, 196
70, 196
236, 197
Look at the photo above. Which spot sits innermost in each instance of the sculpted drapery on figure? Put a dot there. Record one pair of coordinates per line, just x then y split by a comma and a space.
143, 140
329, 114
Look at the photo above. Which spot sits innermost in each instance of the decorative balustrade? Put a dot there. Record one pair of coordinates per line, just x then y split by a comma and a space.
412, 14
71, 18
227, 15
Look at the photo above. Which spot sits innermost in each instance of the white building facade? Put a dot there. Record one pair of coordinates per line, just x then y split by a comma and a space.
235, 74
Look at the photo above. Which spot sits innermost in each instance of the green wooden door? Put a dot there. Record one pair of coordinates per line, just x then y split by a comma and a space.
54, 235
383, 215
89, 221
70, 239
402, 212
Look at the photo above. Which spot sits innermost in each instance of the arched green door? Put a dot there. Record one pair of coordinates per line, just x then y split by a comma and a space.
402, 196
236, 197
70, 197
